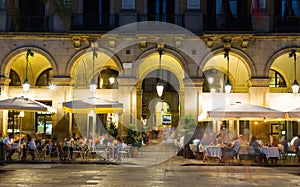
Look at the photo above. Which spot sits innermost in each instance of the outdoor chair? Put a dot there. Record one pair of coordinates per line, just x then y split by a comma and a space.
124, 152
293, 152
197, 155
102, 152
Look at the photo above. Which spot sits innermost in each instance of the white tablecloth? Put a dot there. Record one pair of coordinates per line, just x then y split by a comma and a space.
213, 151
272, 152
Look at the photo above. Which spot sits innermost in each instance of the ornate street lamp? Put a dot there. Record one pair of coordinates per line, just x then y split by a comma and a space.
295, 86
93, 85
227, 84
159, 85
26, 84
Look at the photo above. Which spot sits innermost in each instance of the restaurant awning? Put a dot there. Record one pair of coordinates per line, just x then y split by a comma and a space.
100, 106
243, 110
25, 104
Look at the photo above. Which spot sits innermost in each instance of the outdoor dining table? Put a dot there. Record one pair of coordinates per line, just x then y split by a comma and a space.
270, 153
213, 152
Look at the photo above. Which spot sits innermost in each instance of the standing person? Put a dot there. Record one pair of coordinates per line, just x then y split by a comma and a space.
30, 147
9, 146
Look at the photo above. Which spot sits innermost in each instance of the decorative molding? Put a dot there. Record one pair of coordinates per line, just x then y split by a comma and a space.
76, 42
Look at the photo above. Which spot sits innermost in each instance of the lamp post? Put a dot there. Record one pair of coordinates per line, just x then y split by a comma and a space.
227, 84
93, 85
159, 85
295, 85
26, 84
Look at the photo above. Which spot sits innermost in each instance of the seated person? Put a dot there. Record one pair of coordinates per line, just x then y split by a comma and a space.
9, 145
30, 147
256, 146
56, 146
229, 151
297, 144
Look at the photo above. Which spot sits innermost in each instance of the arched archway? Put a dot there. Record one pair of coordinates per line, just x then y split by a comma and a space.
84, 67
40, 62
284, 65
171, 74
240, 71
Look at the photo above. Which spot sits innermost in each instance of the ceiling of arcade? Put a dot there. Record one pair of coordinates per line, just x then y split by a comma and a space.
168, 62
83, 71
36, 65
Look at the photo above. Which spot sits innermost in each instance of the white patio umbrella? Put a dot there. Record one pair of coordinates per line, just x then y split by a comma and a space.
100, 106
24, 104
92, 106
295, 113
243, 110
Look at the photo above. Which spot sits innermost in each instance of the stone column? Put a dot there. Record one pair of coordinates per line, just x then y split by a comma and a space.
62, 93
4, 89
258, 94
128, 97
193, 91
259, 91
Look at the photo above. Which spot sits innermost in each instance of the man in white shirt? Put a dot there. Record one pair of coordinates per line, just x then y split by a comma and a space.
293, 140
9, 145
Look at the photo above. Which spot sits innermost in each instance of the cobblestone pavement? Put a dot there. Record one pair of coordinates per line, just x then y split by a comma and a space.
174, 172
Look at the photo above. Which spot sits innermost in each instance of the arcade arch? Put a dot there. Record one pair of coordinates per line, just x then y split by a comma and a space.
172, 75
239, 71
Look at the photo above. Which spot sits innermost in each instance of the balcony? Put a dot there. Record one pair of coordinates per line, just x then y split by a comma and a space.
177, 19
287, 24
222, 22
96, 22
32, 24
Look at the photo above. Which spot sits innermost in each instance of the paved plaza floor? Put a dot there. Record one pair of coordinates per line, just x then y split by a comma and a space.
173, 172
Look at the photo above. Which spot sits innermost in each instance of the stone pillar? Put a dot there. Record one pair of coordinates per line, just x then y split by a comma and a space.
259, 91
128, 97
62, 93
4, 89
258, 94
193, 91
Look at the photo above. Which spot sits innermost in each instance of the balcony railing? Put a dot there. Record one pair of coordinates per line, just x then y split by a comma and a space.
32, 24
223, 22
100, 22
287, 24
177, 19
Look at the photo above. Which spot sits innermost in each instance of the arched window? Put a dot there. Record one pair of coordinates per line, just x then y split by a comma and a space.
276, 79
214, 81
45, 78
108, 79
15, 79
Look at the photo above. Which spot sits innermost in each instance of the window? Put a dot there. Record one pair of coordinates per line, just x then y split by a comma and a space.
15, 79
290, 7
258, 4
193, 4
107, 79
276, 79
45, 78
214, 81
128, 4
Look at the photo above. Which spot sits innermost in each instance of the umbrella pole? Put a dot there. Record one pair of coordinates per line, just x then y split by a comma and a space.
19, 147
21, 115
